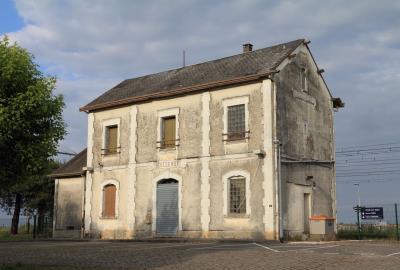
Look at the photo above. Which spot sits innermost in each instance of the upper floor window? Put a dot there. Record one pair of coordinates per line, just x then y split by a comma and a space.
111, 145
168, 132
303, 79
109, 201
168, 127
236, 123
111, 134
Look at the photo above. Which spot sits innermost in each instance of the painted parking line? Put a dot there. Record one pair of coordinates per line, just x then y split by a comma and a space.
266, 247
313, 248
392, 254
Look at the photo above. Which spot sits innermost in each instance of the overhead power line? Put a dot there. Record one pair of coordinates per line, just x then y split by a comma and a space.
339, 166
368, 145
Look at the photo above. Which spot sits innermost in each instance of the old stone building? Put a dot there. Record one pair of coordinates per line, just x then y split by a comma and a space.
239, 147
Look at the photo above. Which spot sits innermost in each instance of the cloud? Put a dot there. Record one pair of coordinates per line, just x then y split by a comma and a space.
92, 45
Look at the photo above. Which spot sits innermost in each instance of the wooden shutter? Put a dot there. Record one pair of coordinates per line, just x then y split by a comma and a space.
109, 201
112, 137
169, 132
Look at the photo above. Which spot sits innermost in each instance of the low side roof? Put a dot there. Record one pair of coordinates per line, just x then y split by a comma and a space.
74, 167
196, 77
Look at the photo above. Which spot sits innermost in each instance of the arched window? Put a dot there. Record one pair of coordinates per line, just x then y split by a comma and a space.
109, 201
237, 195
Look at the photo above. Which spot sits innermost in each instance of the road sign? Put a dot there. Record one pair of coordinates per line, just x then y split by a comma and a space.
371, 212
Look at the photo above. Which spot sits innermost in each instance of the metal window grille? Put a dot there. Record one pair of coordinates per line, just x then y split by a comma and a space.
236, 122
237, 195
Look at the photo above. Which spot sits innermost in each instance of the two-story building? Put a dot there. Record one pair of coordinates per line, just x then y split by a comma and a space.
239, 147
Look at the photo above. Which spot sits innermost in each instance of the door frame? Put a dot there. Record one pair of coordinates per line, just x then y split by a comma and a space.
308, 203
166, 175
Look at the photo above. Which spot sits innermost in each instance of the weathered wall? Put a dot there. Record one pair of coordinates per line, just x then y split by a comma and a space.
305, 130
191, 162
68, 211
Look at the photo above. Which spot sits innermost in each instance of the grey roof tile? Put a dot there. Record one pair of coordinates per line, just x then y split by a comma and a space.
73, 167
250, 63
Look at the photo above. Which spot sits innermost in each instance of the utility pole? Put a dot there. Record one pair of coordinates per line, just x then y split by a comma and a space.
358, 210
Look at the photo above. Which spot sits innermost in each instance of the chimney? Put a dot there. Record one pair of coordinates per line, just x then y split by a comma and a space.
248, 47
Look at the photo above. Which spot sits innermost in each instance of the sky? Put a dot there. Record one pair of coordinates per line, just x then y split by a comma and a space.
90, 46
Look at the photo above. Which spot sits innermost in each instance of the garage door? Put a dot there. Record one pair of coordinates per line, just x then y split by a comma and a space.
167, 207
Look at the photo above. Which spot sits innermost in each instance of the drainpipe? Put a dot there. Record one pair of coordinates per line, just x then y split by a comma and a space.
280, 199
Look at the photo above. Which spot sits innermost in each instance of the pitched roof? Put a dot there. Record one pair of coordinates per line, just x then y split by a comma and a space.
238, 68
74, 167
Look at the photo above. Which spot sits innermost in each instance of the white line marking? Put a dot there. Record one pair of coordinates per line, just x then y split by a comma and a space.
331, 253
302, 249
262, 246
392, 254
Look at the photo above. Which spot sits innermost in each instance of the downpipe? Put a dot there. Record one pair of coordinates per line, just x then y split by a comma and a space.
280, 200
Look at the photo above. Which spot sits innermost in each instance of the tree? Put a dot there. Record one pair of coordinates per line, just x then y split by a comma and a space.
31, 125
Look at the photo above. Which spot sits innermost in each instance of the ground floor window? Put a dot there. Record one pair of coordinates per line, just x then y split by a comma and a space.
237, 195
109, 201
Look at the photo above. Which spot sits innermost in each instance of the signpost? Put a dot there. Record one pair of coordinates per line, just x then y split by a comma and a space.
371, 212
367, 213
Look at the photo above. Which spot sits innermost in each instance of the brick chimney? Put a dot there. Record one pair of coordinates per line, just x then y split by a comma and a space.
248, 47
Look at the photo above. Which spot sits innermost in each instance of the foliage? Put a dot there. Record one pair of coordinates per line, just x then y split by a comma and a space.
31, 123
368, 232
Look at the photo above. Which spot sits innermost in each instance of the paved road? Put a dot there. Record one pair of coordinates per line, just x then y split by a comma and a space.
203, 255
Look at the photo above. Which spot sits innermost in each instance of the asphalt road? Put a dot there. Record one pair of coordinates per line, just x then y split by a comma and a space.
203, 255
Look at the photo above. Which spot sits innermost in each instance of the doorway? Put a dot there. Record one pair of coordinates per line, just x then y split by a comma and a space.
307, 212
167, 207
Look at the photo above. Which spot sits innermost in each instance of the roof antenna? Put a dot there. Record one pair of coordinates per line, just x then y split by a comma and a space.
184, 58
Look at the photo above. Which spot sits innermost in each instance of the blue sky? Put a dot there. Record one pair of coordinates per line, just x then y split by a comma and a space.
91, 46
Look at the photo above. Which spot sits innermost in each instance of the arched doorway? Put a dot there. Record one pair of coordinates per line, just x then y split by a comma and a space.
167, 207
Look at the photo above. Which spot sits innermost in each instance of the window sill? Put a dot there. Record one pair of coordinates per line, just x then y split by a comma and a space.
109, 218
237, 141
237, 216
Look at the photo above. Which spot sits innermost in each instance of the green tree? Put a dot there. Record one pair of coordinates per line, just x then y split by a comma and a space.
31, 125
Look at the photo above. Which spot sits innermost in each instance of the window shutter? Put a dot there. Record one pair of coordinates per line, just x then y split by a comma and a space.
109, 201
169, 135
112, 139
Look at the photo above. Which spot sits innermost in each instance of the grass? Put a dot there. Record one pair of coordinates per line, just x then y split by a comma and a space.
5, 235
368, 232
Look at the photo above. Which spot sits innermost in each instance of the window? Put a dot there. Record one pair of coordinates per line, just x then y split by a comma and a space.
109, 201
168, 129
303, 79
168, 132
236, 119
237, 195
236, 122
111, 140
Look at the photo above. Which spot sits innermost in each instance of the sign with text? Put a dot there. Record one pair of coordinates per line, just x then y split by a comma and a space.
371, 212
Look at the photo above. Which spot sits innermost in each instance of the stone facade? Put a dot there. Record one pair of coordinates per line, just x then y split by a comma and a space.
202, 161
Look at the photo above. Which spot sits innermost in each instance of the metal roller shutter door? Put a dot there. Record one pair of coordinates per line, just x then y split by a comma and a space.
167, 209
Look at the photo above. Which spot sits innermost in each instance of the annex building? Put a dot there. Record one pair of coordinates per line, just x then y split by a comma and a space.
238, 147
